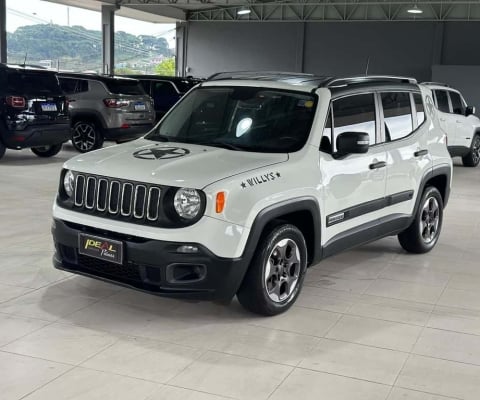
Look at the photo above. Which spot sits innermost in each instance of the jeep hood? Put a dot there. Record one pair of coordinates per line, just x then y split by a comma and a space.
171, 163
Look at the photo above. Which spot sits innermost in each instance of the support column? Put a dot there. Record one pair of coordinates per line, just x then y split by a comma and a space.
3, 31
108, 38
181, 49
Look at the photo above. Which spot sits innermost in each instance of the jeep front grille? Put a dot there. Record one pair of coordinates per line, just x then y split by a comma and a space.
112, 197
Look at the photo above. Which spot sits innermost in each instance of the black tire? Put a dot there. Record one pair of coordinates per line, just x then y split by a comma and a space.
86, 136
472, 159
47, 151
2, 149
257, 291
423, 233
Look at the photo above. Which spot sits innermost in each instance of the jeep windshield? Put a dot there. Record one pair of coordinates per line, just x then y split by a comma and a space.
240, 118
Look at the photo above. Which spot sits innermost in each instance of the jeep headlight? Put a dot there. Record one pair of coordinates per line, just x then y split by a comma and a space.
187, 203
68, 183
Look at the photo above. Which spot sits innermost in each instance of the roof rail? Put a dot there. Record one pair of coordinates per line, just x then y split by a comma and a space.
257, 75
435, 83
336, 82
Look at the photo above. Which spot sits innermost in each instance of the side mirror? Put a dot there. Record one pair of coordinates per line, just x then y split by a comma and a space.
469, 111
352, 143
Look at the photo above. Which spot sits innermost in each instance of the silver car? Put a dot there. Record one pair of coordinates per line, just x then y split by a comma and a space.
106, 108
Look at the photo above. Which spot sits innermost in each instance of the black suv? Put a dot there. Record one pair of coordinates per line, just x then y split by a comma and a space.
165, 90
33, 111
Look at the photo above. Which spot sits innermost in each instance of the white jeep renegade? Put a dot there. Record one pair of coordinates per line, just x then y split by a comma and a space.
459, 122
251, 178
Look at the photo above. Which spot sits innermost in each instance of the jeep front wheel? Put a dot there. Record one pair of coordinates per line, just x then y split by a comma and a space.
2, 149
86, 136
47, 151
276, 274
422, 235
473, 157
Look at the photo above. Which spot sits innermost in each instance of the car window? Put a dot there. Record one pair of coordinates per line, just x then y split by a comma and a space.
146, 86
71, 86
32, 83
124, 86
397, 115
164, 89
457, 104
419, 107
354, 113
442, 100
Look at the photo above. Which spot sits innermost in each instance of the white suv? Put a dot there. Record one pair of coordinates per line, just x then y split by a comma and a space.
459, 122
251, 178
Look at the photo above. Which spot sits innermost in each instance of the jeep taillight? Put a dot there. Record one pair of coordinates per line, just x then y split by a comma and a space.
116, 103
16, 101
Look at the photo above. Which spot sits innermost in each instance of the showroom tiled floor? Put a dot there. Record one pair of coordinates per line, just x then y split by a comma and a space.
370, 324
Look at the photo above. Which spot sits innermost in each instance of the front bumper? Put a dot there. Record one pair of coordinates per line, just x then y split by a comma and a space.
148, 264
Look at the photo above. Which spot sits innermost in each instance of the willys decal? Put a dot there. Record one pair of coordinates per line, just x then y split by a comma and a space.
259, 179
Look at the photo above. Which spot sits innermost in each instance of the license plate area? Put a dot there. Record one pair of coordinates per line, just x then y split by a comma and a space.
48, 107
140, 106
98, 247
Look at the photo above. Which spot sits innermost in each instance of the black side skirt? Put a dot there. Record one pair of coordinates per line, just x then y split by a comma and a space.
369, 232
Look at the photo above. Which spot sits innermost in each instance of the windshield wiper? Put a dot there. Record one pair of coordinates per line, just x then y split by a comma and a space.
225, 145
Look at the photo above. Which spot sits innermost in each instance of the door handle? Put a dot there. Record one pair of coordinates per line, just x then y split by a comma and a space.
420, 153
378, 164
459, 122
442, 119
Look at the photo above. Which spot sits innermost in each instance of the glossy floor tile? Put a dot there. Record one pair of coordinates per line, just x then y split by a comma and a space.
373, 323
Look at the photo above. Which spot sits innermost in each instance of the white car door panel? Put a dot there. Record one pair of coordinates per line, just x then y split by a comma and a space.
354, 184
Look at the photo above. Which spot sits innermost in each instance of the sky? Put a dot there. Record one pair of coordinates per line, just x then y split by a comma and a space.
31, 12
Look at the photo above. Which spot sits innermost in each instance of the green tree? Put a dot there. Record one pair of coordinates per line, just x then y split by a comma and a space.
166, 67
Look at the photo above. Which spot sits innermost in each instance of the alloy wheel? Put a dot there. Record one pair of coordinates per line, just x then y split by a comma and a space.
430, 220
476, 150
84, 136
282, 270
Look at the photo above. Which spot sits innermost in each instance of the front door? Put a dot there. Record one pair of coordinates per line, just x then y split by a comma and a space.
354, 186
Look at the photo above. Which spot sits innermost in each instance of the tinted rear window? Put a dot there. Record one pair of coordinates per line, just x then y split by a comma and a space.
32, 83
120, 86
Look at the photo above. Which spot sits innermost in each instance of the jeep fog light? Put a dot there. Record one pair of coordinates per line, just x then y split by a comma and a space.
68, 182
187, 203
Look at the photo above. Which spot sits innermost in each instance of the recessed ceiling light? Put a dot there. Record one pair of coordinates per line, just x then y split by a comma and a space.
415, 10
244, 11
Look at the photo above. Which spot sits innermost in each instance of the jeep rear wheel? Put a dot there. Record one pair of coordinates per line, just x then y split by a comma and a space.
2, 149
422, 235
47, 151
472, 159
275, 277
86, 136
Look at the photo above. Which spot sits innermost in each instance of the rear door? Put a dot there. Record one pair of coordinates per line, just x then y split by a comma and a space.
459, 122
446, 118
354, 185
405, 133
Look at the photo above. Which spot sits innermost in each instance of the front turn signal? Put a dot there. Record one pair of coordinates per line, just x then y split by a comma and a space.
220, 202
